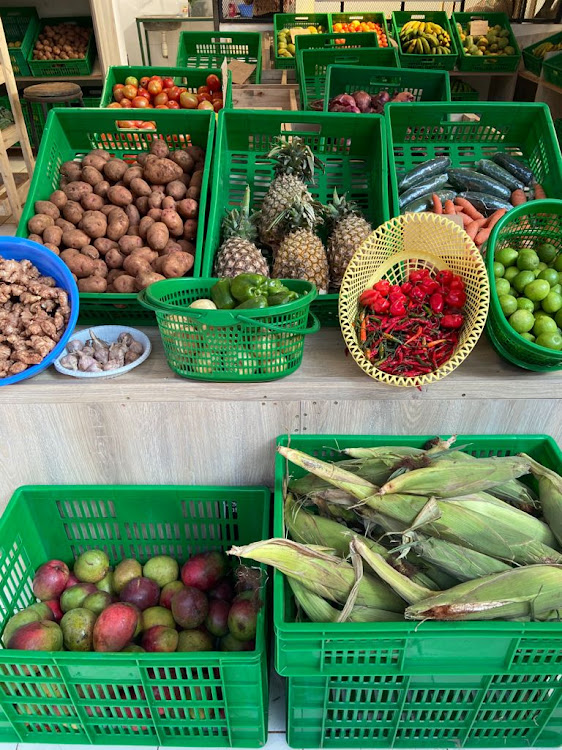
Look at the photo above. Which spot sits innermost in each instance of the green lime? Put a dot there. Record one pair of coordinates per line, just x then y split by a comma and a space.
558, 318
542, 266
552, 302
528, 336
511, 273
550, 275
557, 263
556, 288
550, 341
522, 279
546, 252
508, 304
502, 287
499, 269
527, 260
522, 321
544, 325
525, 304
536, 305
537, 290
513, 292
507, 256
541, 314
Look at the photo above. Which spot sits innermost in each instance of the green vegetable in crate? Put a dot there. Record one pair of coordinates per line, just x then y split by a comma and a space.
285, 42
250, 291
494, 42
238, 252
424, 38
348, 229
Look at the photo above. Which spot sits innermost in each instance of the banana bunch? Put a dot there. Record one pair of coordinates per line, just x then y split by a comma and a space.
545, 47
424, 38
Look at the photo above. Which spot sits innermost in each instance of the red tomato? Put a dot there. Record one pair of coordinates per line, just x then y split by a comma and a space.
132, 81
173, 104
148, 126
114, 105
160, 99
174, 93
217, 105
188, 101
205, 105
139, 102
118, 95
126, 124
143, 92
167, 83
213, 82
203, 90
216, 96
154, 87
144, 81
126, 103
161, 106
204, 97
117, 87
130, 91
182, 89
156, 78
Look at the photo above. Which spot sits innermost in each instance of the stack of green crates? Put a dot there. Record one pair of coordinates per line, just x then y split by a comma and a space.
485, 63
20, 27
461, 91
533, 63
208, 49
436, 62
296, 20
335, 41
552, 70
379, 18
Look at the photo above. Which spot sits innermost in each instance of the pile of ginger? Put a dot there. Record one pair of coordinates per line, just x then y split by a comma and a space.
34, 313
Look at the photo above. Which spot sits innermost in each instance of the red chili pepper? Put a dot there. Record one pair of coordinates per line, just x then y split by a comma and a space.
406, 287
452, 321
444, 277
457, 283
382, 286
436, 302
416, 276
397, 308
381, 305
429, 286
417, 294
369, 297
456, 299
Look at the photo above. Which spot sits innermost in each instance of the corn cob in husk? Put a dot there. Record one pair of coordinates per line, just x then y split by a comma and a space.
329, 577
319, 610
532, 592
388, 455
373, 470
461, 563
550, 495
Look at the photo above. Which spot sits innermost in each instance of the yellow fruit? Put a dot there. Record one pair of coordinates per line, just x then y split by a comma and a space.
312, 30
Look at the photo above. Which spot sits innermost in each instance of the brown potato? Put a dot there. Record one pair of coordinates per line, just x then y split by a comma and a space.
73, 212
127, 244
58, 197
168, 202
113, 274
187, 247
64, 224
146, 278
38, 223
159, 148
94, 223
157, 264
117, 224
155, 214
171, 247
134, 231
159, 189
176, 265
190, 230
188, 208
100, 268
140, 187
107, 208
104, 245
176, 189
91, 251
81, 265
92, 176
144, 225
96, 159
72, 170
132, 172
119, 196
184, 159
52, 235
142, 205
52, 248
92, 202
197, 153
196, 179
101, 188
155, 199
161, 171
114, 169
141, 158
76, 190
92, 284
173, 221
114, 258
134, 264
37, 238
133, 214
125, 284
185, 179
193, 192
75, 238
46, 207
71, 252
157, 235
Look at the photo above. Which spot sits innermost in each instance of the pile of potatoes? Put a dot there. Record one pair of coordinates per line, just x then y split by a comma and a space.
121, 226
64, 41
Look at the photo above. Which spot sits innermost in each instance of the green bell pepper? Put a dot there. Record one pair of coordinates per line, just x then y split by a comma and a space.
274, 286
245, 286
255, 303
221, 296
283, 298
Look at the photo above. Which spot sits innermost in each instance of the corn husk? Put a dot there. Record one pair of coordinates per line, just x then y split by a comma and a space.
533, 592
550, 494
461, 563
329, 577
453, 477
390, 455
319, 610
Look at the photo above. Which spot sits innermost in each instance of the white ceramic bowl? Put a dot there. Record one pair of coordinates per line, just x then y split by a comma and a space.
109, 334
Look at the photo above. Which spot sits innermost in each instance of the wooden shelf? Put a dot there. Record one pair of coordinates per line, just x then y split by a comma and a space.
528, 76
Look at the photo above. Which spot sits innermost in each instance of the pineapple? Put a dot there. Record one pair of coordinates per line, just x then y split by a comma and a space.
301, 254
348, 230
238, 253
294, 164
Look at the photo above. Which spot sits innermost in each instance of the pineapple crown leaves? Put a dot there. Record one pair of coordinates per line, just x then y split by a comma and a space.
239, 222
339, 208
294, 157
298, 216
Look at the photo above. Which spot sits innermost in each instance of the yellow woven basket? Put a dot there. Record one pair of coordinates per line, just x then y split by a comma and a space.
393, 251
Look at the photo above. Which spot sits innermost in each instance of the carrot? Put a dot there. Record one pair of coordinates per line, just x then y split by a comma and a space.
459, 210
468, 208
466, 220
495, 217
539, 192
472, 229
449, 207
437, 205
518, 198
482, 236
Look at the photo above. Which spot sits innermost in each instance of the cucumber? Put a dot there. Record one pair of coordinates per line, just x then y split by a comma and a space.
426, 201
423, 172
487, 166
484, 202
468, 179
429, 186
516, 167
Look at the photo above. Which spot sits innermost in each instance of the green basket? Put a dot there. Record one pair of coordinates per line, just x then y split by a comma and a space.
230, 345
352, 148
532, 63
558, 129
418, 132
60, 68
20, 25
328, 41
485, 63
312, 66
208, 49
72, 132
379, 18
439, 62
417, 684
292, 20
191, 79
552, 70
213, 699
425, 85
468, 95
524, 226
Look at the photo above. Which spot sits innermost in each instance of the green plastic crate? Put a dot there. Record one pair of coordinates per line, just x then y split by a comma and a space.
328, 41
417, 684
552, 70
526, 226
72, 133
439, 62
60, 68
558, 129
208, 49
485, 63
353, 149
292, 20
379, 18
191, 79
418, 132
312, 66
532, 63
212, 699
425, 85
20, 25
463, 96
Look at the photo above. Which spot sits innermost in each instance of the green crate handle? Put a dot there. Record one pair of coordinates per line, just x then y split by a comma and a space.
314, 328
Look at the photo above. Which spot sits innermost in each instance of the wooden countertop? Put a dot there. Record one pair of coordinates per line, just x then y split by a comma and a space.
326, 374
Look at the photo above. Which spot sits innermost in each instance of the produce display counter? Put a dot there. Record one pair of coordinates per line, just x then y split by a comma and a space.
150, 426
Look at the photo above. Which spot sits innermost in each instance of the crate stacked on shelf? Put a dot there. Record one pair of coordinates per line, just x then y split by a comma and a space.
476, 58
20, 27
63, 68
284, 22
533, 55
208, 49
430, 32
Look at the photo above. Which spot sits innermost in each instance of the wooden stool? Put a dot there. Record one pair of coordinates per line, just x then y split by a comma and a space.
49, 94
